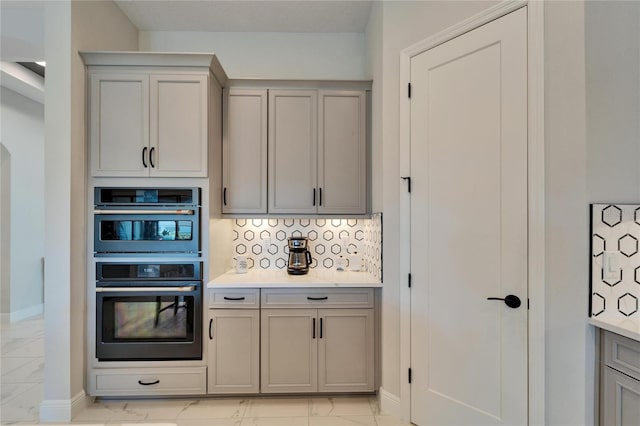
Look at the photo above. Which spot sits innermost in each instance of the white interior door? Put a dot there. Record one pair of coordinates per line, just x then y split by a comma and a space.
469, 227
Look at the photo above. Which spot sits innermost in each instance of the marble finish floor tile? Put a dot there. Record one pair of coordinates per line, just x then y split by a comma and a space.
343, 421
213, 409
278, 407
24, 348
31, 372
275, 421
23, 407
340, 406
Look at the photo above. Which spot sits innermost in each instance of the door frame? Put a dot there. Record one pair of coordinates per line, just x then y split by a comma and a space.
535, 183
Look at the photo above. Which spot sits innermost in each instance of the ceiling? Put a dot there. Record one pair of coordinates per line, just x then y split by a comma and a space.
306, 16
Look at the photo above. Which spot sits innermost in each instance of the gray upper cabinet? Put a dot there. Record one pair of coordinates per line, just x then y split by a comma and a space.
295, 151
149, 113
293, 123
342, 152
119, 124
244, 150
178, 125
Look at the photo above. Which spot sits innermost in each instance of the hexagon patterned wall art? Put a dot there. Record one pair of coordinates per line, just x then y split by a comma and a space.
615, 262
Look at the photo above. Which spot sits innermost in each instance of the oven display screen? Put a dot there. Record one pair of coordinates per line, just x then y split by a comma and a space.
146, 230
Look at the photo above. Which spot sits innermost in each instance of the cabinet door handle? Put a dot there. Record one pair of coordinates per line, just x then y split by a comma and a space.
210, 329
317, 298
321, 328
140, 382
144, 157
234, 298
151, 157
314, 196
320, 196
313, 336
224, 196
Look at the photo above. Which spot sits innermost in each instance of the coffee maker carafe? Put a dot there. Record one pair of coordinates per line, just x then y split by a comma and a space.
299, 256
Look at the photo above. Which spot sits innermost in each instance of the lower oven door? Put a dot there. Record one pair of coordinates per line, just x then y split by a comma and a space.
145, 323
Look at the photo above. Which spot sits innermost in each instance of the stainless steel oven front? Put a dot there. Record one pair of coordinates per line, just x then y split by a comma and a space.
146, 221
148, 311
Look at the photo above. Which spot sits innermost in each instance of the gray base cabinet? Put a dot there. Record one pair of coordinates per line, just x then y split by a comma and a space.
233, 356
289, 350
345, 350
620, 377
326, 347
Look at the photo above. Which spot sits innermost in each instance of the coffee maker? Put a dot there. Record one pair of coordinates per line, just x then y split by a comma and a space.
299, 256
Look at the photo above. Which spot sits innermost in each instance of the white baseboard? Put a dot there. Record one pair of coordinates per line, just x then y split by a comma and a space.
22, 314
63, 410
390, 403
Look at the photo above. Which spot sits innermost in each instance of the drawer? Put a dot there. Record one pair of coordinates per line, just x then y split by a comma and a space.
149, 381
622, 353
241, 298
317, 297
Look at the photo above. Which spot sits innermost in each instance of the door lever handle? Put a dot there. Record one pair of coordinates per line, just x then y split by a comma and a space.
511, 300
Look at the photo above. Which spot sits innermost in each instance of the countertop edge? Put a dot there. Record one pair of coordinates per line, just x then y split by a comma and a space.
623, 331
212, 284
263, 279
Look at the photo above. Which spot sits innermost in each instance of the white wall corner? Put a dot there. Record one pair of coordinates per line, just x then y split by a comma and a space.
63, 410
23, 81
390, 404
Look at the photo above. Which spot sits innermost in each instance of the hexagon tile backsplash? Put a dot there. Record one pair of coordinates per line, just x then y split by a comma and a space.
264, 241
615, 261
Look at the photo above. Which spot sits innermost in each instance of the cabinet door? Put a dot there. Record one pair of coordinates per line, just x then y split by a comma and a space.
289, 355
234, 351
245, 152
178, 125
292, 151
621, 399
342, 152
119, 124
345, 350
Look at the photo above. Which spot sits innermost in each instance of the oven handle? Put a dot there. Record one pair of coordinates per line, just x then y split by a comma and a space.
185, 289
174, 212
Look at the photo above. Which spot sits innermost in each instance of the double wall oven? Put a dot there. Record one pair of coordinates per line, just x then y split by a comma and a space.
149, 308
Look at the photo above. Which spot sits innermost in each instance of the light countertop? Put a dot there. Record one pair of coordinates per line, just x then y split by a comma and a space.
278, 278
628, 327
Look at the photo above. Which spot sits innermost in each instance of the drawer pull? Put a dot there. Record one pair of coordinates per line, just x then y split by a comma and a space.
140, 382
210, 333
314, 329
321, 328
317, 298
233, 298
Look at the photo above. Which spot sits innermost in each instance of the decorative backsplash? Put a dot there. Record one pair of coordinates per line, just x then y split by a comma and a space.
264, 241
615, 261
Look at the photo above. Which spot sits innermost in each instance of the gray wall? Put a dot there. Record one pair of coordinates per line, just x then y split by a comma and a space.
612, 31
23, 137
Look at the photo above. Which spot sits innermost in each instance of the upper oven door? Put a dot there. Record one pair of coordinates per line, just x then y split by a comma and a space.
152, 231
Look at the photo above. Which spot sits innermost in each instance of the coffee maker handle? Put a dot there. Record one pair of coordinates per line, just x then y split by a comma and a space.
309, 259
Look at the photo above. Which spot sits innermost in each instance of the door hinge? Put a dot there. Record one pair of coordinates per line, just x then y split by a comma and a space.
409, 278
408, 179
409, 375
409, 90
